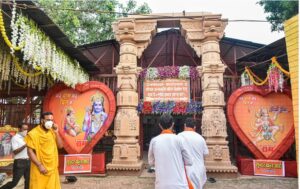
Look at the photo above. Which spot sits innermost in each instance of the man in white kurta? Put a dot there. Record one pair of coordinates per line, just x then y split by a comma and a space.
167, 154
196, 144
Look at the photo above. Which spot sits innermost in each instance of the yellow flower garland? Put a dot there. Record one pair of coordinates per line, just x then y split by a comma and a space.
254, 75
15, 61
275, 62
19, 85
49, 80
248, 71
262, 82
4, 35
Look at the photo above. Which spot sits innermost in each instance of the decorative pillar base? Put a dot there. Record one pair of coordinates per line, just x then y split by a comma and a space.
218, 159
125, 166
220, 172
220, 167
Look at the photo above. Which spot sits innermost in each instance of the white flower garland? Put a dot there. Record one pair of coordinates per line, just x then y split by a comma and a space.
41, 53
9, 71
14, 28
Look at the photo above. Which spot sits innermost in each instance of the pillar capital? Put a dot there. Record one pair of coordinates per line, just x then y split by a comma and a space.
214, 28
206, 28
138, 32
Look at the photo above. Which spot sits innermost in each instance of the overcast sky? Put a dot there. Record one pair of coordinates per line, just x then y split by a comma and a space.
231, 9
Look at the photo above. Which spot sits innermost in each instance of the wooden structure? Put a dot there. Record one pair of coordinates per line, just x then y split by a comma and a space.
19, 103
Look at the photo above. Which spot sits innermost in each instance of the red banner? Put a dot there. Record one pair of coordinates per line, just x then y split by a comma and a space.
78, 163
167, 89
269, 168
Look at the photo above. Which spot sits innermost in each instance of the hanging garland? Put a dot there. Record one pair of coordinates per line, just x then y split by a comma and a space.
160, 107
12, 70
274, 61
180, 72
15, 61
19, 85
275, 76
275, 79
3, 31
252, 75
41, 53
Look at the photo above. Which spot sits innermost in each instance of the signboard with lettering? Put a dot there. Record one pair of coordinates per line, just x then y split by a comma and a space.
167, 90
269, 167
78, 163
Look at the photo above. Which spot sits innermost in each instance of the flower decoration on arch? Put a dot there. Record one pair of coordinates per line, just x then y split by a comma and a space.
176, 108
166, 72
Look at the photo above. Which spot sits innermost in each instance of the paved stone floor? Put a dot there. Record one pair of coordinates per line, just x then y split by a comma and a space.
134, 182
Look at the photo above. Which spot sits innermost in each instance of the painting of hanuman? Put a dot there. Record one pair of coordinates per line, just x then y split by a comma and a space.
265, 128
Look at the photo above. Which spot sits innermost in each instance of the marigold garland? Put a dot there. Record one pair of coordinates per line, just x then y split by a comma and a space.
18, 84
4, 35
253, 77
10, 68
262, 82
15, 61
40, 53
274, 61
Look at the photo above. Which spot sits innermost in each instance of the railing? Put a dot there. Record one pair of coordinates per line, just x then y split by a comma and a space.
109, 80
13, 112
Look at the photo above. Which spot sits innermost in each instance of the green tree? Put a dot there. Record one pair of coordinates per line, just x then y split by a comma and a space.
131, 8
279, 11
91, 20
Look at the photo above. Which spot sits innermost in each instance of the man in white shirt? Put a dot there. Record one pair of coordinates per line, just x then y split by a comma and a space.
21, 165
196, 144
167, 154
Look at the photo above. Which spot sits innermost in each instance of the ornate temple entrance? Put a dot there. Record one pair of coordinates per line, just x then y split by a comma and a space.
202, 32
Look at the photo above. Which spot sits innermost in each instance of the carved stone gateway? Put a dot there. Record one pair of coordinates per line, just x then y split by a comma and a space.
133, 37
202, 32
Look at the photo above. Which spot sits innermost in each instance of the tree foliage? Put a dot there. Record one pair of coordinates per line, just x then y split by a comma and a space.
279, 11
91, 20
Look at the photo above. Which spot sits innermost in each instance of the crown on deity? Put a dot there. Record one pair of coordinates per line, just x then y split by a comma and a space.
262, 111
69, 110
97, 97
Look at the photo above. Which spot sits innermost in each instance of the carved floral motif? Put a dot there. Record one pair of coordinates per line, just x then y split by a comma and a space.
217, 152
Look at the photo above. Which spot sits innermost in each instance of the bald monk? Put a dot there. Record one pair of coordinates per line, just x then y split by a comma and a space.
42, 143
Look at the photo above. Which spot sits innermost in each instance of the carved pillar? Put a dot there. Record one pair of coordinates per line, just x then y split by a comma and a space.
213, 119
203, 34
126, 151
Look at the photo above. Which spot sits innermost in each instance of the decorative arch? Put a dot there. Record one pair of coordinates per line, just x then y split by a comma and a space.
202, 31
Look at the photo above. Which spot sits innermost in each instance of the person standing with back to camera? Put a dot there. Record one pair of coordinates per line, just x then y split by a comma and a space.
168, 155
196, 144
42, 143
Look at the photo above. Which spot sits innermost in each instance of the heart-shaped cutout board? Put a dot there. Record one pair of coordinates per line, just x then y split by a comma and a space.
262, 120
83, 114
